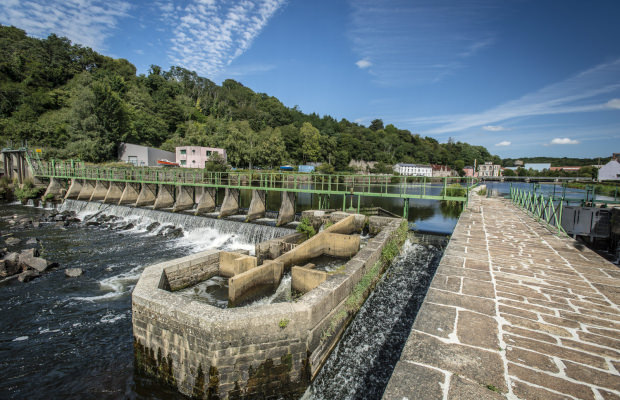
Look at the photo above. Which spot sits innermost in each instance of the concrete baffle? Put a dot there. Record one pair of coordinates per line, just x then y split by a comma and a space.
287, 209
304, 279
146, 196
130, 194
165, 198
53, 189
88, 187
257, 205
206, 200
74, 189
257, 280
100, 190
185, 198
230, 206
115, 191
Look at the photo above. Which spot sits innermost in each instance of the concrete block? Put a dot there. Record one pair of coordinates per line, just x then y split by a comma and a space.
304, 279
100, 190
185, 198
165, 198
287, 209
257, 205
53, 189
129, 195
86, 191
146, 197
74, 189
230, 206
206, 200
114, 193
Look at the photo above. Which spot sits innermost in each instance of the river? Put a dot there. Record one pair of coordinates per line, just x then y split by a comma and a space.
71, 337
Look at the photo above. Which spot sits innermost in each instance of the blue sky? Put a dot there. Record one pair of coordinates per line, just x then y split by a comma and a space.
522, 78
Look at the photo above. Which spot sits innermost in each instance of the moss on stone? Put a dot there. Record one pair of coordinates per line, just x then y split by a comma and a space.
159, 367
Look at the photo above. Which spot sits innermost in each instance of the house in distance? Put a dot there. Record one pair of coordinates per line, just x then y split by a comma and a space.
197, 156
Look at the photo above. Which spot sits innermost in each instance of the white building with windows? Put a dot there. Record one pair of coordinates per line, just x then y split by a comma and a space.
489, 170
413, 169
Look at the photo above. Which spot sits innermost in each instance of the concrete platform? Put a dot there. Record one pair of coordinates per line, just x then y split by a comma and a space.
513, 312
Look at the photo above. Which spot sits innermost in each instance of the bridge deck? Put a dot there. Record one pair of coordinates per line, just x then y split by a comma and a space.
513, 312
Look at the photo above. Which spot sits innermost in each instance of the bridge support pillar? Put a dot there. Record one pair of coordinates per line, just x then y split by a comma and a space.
88, 187
146, 196
287, 209
206, 200
257, 205
230, 205
185, 198
74, 189
129, 195
53, 189
101, 189
165, 197
114, 193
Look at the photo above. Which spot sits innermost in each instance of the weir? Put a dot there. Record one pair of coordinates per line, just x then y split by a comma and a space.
259, 349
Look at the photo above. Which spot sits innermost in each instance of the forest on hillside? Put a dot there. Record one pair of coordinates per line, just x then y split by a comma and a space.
77, 103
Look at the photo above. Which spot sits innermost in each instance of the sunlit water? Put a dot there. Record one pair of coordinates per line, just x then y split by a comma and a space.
71, 337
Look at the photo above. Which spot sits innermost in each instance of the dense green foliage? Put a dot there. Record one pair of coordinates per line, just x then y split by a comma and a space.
28, 191
557, 162
306, 227
75, 102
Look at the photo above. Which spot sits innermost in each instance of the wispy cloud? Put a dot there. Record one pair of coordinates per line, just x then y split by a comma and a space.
614, 103
564, 141
419, 42
87, 22
209, 34
494, 128
363, 64
587, 91
503, 143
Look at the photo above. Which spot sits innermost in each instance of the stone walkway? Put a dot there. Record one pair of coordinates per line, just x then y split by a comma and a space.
513, 312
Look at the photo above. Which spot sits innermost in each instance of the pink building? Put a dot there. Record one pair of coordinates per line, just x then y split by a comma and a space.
469, 171
196, 156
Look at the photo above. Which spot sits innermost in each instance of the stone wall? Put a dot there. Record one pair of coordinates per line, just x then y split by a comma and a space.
259, 351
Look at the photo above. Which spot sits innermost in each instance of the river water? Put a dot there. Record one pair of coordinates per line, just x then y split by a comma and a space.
71, 337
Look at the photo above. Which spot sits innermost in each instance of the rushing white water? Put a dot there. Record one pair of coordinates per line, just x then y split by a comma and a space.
194, 226
362, 362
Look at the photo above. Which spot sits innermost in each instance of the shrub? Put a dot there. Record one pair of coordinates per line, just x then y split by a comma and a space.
28, 191
306, 227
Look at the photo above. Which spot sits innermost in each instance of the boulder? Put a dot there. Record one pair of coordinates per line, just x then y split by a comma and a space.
28, 276
73, 272
35, 263
12, 241
32, 241
10, 265
32, 252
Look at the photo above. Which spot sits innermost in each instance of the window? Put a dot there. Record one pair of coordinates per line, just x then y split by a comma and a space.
183, 162
194, 161
209, 152
193, 151
183, 151
132, 160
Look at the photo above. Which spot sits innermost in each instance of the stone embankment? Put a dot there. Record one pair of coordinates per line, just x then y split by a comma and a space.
513, 312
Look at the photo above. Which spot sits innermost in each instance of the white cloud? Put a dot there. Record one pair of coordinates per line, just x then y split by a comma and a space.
209, 35
613, 103
494, 128
363, 64
564, 141
85, 22
579, 94
504, 143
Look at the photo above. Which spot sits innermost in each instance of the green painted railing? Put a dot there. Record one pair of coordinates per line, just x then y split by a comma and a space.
346, 185
544, 208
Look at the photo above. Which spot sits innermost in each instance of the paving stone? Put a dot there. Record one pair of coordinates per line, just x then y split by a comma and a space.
482, 366
537, 326
518, 312
586, 319
414, 382
529, 333
477, 330
551, 382
555, 350
435, 319
476, 264
608, 395
445, 282
593, 376
465, 389
478, 288
601, 340
592, 349
480, 305
525, 391
531, 359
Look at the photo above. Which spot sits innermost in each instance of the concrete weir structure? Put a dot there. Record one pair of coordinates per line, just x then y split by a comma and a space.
259, 350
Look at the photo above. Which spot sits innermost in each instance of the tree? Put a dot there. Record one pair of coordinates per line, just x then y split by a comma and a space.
310, 137
376, 125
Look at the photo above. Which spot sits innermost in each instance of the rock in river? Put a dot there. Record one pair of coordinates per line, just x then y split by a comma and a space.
73, 272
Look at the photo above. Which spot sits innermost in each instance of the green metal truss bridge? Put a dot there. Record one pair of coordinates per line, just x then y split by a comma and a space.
349, 187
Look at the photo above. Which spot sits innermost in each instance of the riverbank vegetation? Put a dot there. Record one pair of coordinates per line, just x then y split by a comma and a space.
77, 103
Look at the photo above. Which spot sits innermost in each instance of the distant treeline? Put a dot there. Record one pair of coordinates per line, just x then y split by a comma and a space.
77, 103
557, 161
